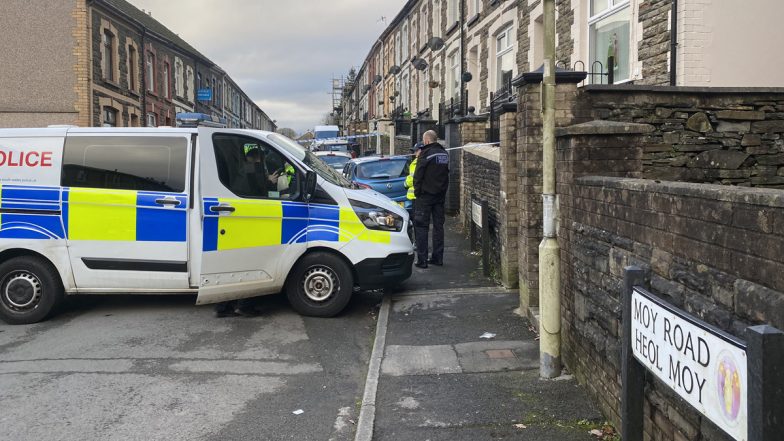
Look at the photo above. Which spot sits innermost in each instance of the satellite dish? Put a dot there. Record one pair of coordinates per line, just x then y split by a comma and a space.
435, 43
467, 77
377, 79
420, 64
394, 70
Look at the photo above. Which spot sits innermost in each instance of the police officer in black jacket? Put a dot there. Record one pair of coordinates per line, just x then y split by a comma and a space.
431, 180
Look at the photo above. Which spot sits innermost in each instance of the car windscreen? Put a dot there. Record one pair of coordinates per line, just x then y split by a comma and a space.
382, 169
308, 158
335, 161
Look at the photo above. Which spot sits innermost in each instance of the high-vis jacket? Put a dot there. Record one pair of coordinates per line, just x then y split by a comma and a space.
410, 180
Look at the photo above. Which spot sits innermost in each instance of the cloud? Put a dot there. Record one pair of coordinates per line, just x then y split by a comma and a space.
282, 53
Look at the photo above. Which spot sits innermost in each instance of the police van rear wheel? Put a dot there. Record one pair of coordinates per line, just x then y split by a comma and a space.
30, 290
320, 285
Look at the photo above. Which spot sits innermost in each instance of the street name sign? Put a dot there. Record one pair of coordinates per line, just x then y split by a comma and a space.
702, 364
476, 213
204, 94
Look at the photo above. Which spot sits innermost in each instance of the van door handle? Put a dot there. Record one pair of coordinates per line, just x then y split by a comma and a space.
222, 209
168, 201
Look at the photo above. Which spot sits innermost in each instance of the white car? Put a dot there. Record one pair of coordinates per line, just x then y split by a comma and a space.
336, 160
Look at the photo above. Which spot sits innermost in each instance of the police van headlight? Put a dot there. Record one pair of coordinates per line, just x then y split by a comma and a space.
377, 218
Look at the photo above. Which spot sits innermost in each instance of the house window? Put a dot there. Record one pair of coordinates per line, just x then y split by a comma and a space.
134, 121
108, 55
150, 73
214, 92
404, 102
423, 22
474, 6
133, 64
178, 77
166, 82
404, 44
454, 75
452, 12
437, 18
414, 34
609, 36
398, 48
504, 57
189, 82
152, 121
109, 117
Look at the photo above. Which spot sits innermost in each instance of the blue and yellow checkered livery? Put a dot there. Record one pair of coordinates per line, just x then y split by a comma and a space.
90, 214
258, 222
28, 212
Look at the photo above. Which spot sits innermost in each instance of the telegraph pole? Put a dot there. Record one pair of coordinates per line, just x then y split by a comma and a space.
549, 253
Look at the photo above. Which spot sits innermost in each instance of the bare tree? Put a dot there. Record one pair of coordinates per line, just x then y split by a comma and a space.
285, 131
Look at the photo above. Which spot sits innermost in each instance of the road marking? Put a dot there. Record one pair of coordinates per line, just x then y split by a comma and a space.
367, 412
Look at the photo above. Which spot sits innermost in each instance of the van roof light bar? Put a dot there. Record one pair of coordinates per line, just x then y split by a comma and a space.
190, 120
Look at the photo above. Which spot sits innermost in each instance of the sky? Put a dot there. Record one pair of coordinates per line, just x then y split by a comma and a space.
282, 53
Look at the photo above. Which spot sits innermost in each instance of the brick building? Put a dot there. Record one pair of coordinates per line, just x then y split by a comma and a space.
107, 63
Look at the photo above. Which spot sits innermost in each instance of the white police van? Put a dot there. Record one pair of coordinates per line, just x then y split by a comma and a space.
221, 213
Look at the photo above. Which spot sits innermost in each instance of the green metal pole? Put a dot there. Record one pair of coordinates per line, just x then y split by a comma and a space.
549, 253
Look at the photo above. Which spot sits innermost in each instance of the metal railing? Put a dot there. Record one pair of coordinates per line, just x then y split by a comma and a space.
505, 94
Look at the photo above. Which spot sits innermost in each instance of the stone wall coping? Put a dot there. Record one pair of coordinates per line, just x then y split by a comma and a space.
682, 89
601, 127
473, 118
767, 197
488, 152
402, 136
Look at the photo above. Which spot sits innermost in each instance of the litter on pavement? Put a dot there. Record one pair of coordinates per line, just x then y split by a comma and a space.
298, 412
487, 335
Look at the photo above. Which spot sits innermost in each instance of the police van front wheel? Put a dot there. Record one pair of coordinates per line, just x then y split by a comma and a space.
30, 290
320, 285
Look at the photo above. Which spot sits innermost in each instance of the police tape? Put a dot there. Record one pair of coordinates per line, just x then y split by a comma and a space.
338, 138
460, 147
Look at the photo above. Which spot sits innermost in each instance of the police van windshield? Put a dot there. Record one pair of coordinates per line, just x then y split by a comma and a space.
328, 173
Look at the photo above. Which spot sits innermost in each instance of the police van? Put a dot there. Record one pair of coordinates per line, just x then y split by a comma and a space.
220, 213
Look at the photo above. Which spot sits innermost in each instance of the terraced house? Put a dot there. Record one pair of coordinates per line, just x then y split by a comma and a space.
107, 63
441, 56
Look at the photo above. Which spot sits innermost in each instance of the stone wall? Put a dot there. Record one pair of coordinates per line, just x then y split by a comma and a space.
654, 49
480, 168
402, 145
563, 31
700, 245
709, 135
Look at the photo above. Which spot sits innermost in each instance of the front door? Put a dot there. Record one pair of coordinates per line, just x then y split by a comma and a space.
125, 211
253, 223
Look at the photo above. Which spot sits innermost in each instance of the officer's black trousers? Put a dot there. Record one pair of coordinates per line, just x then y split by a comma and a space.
425, 209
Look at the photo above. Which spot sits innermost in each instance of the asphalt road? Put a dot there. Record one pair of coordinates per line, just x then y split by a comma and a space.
160, 368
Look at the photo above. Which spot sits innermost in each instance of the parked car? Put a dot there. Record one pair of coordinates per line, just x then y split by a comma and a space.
336, 160
385, 175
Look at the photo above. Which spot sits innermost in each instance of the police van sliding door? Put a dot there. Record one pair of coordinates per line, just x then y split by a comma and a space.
253, 222
125, 202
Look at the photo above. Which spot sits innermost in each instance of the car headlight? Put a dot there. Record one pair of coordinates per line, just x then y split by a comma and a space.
377, 218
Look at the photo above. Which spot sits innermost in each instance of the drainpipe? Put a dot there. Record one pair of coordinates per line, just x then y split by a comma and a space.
674, 43
462, 57
549, 252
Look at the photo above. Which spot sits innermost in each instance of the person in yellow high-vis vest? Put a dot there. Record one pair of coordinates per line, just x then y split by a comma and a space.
410, 178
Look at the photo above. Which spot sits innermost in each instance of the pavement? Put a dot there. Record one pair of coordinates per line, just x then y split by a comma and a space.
160, 368
441, 380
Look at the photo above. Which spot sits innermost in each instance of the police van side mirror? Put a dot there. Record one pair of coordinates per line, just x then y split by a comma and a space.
310, 185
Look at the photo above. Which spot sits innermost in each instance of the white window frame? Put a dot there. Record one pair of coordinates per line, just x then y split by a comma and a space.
152, 120
115, 114
436, 18
423, 22
404, 44
108, 41
452, 12
474, 8
454, 75
414, 36
149, 62
506, 34
615, 7
166, 80
398, 49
